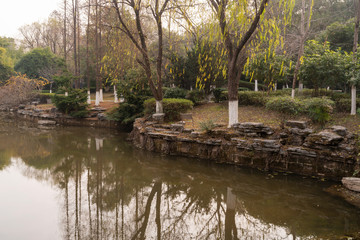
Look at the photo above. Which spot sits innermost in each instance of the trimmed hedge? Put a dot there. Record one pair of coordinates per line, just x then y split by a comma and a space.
344, 104
172, 107
175, 93
286, 105
252, 98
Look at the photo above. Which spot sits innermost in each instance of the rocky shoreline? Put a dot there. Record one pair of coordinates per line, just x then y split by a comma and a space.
331, 153
47, 118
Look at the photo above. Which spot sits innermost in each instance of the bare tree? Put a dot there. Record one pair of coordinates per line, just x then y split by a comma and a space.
355, 46
139, 39
304, 32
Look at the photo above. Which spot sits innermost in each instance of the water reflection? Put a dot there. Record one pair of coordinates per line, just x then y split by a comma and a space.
108, 190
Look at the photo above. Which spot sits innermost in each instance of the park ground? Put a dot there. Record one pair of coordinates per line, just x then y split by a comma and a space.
217, 112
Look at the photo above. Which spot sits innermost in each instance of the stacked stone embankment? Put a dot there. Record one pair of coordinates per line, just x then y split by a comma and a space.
331, 153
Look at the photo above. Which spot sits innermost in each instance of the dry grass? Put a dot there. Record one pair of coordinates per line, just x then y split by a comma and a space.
218, 113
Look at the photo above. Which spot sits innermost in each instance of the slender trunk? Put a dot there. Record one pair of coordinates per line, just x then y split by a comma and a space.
159, 106
64, 37
256, 86
101, 95
89, 97
97, 98
87, 52
233, 112
74, 6
356, 39
116, 99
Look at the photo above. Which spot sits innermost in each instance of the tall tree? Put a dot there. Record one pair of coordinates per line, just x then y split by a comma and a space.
356, 39
238, 22
304, 31
139, 39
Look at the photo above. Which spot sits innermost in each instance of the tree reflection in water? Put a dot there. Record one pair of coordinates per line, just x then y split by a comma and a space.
111, 191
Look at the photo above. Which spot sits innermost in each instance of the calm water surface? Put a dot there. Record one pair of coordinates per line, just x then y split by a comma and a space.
80, 183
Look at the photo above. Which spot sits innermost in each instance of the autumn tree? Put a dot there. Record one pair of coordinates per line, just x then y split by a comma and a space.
240, 22
139, 38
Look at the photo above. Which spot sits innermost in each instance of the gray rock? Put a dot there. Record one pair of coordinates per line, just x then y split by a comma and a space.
340, 130
324, 138
101, 116
351, 183
21, 106
301, 152
296, 124
266, 145
158, 117
46, 122
177, 127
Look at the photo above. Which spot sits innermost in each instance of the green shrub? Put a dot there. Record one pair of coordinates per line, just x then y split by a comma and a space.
175, 93
286, 105
207, 126
75, 104
251, 85
319, 109
172, 107
196, 96
252, 98
45, 96
126, 113
344, 104
219, 94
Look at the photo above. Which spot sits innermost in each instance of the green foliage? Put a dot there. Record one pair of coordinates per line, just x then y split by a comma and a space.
269, 69
6, 64
175, 93
339, 35
319, 109
252, 98
251, 85
219, 94
135, 91
196, 96
64, 80
207, 126
286, 105
40, 63
344, 104
45, 96
172, 107
201, 67
75, 104
323, 67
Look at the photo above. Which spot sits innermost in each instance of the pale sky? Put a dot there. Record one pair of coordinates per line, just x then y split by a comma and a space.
16, 13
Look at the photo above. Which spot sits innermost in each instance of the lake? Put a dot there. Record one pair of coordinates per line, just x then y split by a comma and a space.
84, 183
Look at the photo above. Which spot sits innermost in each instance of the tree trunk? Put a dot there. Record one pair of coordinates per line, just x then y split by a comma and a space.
356, 39
116, 99
97, 98
304, 30
89, 97
101, 95
159, 106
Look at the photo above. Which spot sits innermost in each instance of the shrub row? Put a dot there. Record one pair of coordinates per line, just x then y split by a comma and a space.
318, 109
75, 104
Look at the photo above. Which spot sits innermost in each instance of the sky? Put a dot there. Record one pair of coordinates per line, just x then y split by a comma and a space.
16, 13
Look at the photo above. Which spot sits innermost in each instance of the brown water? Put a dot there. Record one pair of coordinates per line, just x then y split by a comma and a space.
81, 183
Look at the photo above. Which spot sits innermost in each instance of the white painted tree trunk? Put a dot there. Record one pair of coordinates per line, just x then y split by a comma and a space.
66, 94
116, 99
101, 96
50, 91
275, 87
233, 112
328, 88
292, 93
159, 107
256, 86
353, 100
301, 87
88, 98
97, 98
287, 85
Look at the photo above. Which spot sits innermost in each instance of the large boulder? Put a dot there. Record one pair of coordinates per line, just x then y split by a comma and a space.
351, 183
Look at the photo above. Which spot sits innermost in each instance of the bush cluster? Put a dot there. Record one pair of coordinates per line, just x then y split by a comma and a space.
75, 104
252, 98
319, 109
175, 93
172, 107
285, 105
196, 96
